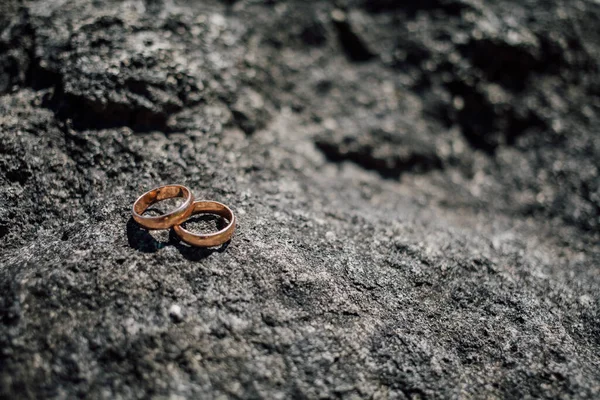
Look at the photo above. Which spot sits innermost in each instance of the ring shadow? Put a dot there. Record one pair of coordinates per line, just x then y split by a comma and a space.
140, 239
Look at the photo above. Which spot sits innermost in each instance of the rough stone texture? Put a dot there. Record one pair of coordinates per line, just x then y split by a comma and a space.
417, 189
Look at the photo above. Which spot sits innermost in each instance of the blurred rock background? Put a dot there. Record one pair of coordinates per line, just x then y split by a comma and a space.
417, 186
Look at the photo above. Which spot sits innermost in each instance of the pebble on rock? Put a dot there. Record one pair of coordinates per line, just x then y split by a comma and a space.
175, 313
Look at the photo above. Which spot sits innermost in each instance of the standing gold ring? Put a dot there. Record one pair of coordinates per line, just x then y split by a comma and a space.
169, 219
208, 239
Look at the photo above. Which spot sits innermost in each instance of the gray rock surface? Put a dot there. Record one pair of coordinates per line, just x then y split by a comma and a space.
417, 188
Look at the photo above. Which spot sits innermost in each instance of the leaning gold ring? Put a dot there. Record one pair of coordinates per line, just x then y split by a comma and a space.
208, 239
169, 219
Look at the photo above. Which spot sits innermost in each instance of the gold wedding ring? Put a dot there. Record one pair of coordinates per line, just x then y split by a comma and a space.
175, 218
169, 219
208, 239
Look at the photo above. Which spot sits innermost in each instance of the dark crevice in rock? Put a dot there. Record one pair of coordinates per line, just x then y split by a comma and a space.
512, 62
354, 47
40, 78
402, 158
20, 175
314, 34
85, 113
520, 122
502, 62
9, 306
413, 54
243, 121
450, 7
486, 125
3, 230
476, 118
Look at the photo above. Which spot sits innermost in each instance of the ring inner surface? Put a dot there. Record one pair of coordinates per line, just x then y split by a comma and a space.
156, 195
209, 207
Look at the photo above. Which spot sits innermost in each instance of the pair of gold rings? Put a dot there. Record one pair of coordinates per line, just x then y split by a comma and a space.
175, 218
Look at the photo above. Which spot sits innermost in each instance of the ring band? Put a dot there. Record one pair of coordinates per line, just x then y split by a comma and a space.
169, 219
208, 239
